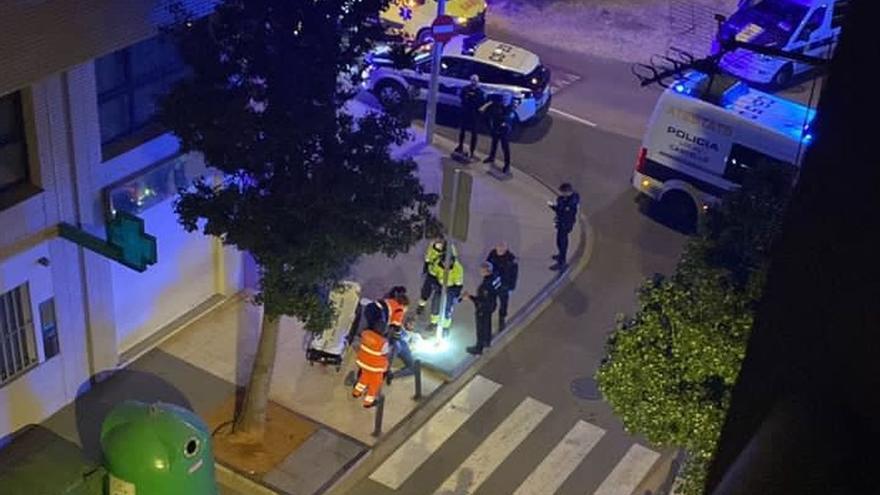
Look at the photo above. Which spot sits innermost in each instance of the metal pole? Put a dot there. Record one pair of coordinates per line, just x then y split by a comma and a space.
380, 412
436, 54
444, 293
418, 379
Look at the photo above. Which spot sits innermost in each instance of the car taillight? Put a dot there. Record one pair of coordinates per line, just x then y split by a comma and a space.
642, 160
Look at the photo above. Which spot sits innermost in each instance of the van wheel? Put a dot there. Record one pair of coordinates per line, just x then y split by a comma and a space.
392, 95
783, 76
424, 36
679, 212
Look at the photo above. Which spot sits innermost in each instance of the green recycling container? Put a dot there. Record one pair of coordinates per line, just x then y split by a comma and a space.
157, 449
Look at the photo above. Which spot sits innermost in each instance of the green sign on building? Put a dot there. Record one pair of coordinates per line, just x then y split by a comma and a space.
127, 241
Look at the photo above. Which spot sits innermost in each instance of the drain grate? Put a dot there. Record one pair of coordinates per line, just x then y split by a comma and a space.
585, 388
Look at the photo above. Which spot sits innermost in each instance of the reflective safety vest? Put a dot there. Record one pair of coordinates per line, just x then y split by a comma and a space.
373, 352
456, 273
435, 252
396, 312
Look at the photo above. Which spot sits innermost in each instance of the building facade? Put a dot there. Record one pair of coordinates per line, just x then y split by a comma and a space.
79, 142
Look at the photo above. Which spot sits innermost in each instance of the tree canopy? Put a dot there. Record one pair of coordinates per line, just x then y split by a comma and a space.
670, 369
306, 187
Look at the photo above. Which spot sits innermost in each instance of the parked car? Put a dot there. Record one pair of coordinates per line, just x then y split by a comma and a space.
502, 68
806, 27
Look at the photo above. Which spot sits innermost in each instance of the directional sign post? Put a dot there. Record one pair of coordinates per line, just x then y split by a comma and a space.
127, 242
436, 53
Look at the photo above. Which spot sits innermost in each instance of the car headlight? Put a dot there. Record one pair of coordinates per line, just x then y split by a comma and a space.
365, 74
461, 20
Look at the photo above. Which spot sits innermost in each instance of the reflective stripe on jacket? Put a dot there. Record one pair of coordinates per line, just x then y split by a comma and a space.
372, 355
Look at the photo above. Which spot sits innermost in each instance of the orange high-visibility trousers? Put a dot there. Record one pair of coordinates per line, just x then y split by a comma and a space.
371, 383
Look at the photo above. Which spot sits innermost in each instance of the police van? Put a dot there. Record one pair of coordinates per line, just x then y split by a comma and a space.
806, 27
412, 18
503, 69
700, 141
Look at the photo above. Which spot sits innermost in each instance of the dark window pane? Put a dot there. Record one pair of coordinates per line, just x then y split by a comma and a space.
742, 159
110, 72
145, 100
13, 151
147, 57
115, 118
49, 328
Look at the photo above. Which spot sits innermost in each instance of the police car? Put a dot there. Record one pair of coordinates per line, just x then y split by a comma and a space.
807, 27
504, 69
412, 18
698, 145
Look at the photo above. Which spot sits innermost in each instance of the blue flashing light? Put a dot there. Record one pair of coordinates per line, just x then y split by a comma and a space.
679, 88
808, 138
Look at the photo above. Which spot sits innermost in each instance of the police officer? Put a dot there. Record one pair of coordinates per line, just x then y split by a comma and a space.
501, 118
566, 208
472, 99
484, 303
506, 268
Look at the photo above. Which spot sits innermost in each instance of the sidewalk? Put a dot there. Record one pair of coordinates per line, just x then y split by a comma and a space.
202, 364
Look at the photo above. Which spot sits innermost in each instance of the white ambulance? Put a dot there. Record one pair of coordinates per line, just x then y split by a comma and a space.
805, 27
412, 18
698, 145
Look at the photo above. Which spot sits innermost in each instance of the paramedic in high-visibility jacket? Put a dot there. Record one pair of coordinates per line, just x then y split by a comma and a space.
372, 359
431, 285
453, 292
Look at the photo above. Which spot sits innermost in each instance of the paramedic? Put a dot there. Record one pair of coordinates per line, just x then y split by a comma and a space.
434, 253
453, 292
372, 359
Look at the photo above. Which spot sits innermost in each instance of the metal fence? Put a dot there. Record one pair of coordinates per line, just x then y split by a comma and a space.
18, 351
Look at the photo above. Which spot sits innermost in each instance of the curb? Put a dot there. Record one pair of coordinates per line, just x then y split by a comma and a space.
470, 367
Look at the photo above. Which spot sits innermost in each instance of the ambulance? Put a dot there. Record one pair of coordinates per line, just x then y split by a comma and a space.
698, 144
412, 18
806, 27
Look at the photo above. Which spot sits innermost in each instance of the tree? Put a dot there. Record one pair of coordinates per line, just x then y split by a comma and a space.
306, 187
670, 369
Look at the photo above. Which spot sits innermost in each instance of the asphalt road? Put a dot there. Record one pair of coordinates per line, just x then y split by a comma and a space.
591, 140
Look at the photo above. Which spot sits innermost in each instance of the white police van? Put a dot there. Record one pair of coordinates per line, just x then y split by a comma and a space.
412, 18
695, 151
806, 27
503, 69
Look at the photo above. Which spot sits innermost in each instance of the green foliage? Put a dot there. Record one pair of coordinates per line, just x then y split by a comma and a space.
307, 188
671, 368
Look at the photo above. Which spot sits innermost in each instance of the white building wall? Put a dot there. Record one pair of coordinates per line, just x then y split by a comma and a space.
47, 50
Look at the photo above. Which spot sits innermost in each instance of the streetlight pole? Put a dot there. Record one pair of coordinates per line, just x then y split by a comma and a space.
447, 256
436, 54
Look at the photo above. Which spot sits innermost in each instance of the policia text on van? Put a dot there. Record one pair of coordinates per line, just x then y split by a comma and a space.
694, 151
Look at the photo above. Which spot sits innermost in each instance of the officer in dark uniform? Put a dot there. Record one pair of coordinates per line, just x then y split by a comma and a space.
566, 208
484, 301
501, 118
472, 99
506, 268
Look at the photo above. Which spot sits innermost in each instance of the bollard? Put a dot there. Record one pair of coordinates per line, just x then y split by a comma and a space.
380, 412
418, 379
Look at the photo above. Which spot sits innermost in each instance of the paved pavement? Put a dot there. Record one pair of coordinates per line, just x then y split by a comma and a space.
520, 426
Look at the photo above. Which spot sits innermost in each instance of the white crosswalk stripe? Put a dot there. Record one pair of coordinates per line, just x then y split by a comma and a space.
629, 472
495, 448
562, 460
418, 448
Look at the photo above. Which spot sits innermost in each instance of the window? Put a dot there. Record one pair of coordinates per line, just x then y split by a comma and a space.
13, 149
456, 68
18, 352
841, 7
742, 159
149, 187
49, 328
813, 23
129, 82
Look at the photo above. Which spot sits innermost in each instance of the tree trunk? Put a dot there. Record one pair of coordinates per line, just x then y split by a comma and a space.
250, 425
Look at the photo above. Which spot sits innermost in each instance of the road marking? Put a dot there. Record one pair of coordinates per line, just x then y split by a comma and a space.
572, 117
416, 450
562, 460
629, 472
560, 80
495, 448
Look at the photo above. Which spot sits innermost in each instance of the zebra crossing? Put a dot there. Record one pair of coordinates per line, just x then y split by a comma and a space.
555, 467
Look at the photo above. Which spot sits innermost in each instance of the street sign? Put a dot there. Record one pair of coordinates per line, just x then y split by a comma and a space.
443, 28
455, 202
127, 242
